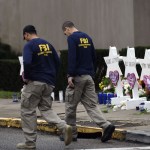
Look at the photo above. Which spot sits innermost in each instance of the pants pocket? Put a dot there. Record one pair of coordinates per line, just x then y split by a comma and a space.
25, 100
69, 95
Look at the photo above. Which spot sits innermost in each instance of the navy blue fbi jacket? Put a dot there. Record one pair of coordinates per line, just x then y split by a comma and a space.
81, 55
41, 62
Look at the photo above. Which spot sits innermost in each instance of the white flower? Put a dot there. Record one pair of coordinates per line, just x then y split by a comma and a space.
104, 88
126, 86
123, 108
126, 91
123, 103
115, 108
109, 87
141, 92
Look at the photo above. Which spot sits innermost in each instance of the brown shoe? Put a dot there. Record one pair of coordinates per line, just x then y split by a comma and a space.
68, 135
25, 146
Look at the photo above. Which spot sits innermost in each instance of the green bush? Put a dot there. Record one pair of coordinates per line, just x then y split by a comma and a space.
9, 69
9, 75
11, 81
61, 82
100, 72
6, 52
101, 65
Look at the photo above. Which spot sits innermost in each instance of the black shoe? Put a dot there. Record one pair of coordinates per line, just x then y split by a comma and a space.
108, 133
62, 138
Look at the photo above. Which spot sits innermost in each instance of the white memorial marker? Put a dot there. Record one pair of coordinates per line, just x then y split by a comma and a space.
114, 72
21, 63
132, 76
61, 96
145, 74
130, 62
112, 61
145, 64
53, 96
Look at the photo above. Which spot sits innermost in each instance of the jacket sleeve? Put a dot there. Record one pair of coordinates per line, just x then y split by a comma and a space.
27, 60
71, 57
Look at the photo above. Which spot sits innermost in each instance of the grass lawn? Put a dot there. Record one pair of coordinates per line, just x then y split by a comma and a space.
8, 94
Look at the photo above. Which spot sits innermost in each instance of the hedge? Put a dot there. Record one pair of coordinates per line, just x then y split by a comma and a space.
9, 75
11, 81
101, 65
9, 69
6, 52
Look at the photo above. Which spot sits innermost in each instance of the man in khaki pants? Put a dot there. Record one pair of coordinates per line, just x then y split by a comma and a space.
81, 88
41, 65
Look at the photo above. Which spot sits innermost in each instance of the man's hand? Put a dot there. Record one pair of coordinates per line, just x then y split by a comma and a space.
70, 82
24, 80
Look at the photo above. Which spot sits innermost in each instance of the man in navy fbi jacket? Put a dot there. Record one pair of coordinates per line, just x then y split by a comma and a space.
41, 64
81, 87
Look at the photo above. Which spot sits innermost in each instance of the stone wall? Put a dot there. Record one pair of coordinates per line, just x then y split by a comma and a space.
108, 22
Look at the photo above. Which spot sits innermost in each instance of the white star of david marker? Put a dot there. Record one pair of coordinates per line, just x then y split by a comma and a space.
130, 67
145, 64
21, 63
112, 65
112, 61
130, 62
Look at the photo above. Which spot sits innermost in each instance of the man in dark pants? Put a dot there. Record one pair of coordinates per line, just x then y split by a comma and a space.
41, 64
81, 88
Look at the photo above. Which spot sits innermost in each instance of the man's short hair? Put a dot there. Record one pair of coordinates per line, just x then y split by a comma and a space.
67, 24
29, 29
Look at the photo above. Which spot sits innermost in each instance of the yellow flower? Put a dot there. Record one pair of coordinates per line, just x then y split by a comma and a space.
102, 87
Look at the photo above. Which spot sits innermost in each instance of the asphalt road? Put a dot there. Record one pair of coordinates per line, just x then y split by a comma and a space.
9, 137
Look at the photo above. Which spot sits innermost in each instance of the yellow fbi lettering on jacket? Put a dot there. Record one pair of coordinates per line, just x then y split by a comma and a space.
84, 42
44, 50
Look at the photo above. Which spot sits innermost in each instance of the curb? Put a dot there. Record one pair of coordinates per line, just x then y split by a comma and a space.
119, 134
138, 136
42, 125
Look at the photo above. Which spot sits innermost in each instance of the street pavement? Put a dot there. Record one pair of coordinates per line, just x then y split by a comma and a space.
135, 124
11, 136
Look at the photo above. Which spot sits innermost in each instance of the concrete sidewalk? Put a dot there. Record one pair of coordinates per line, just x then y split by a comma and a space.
130, 124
